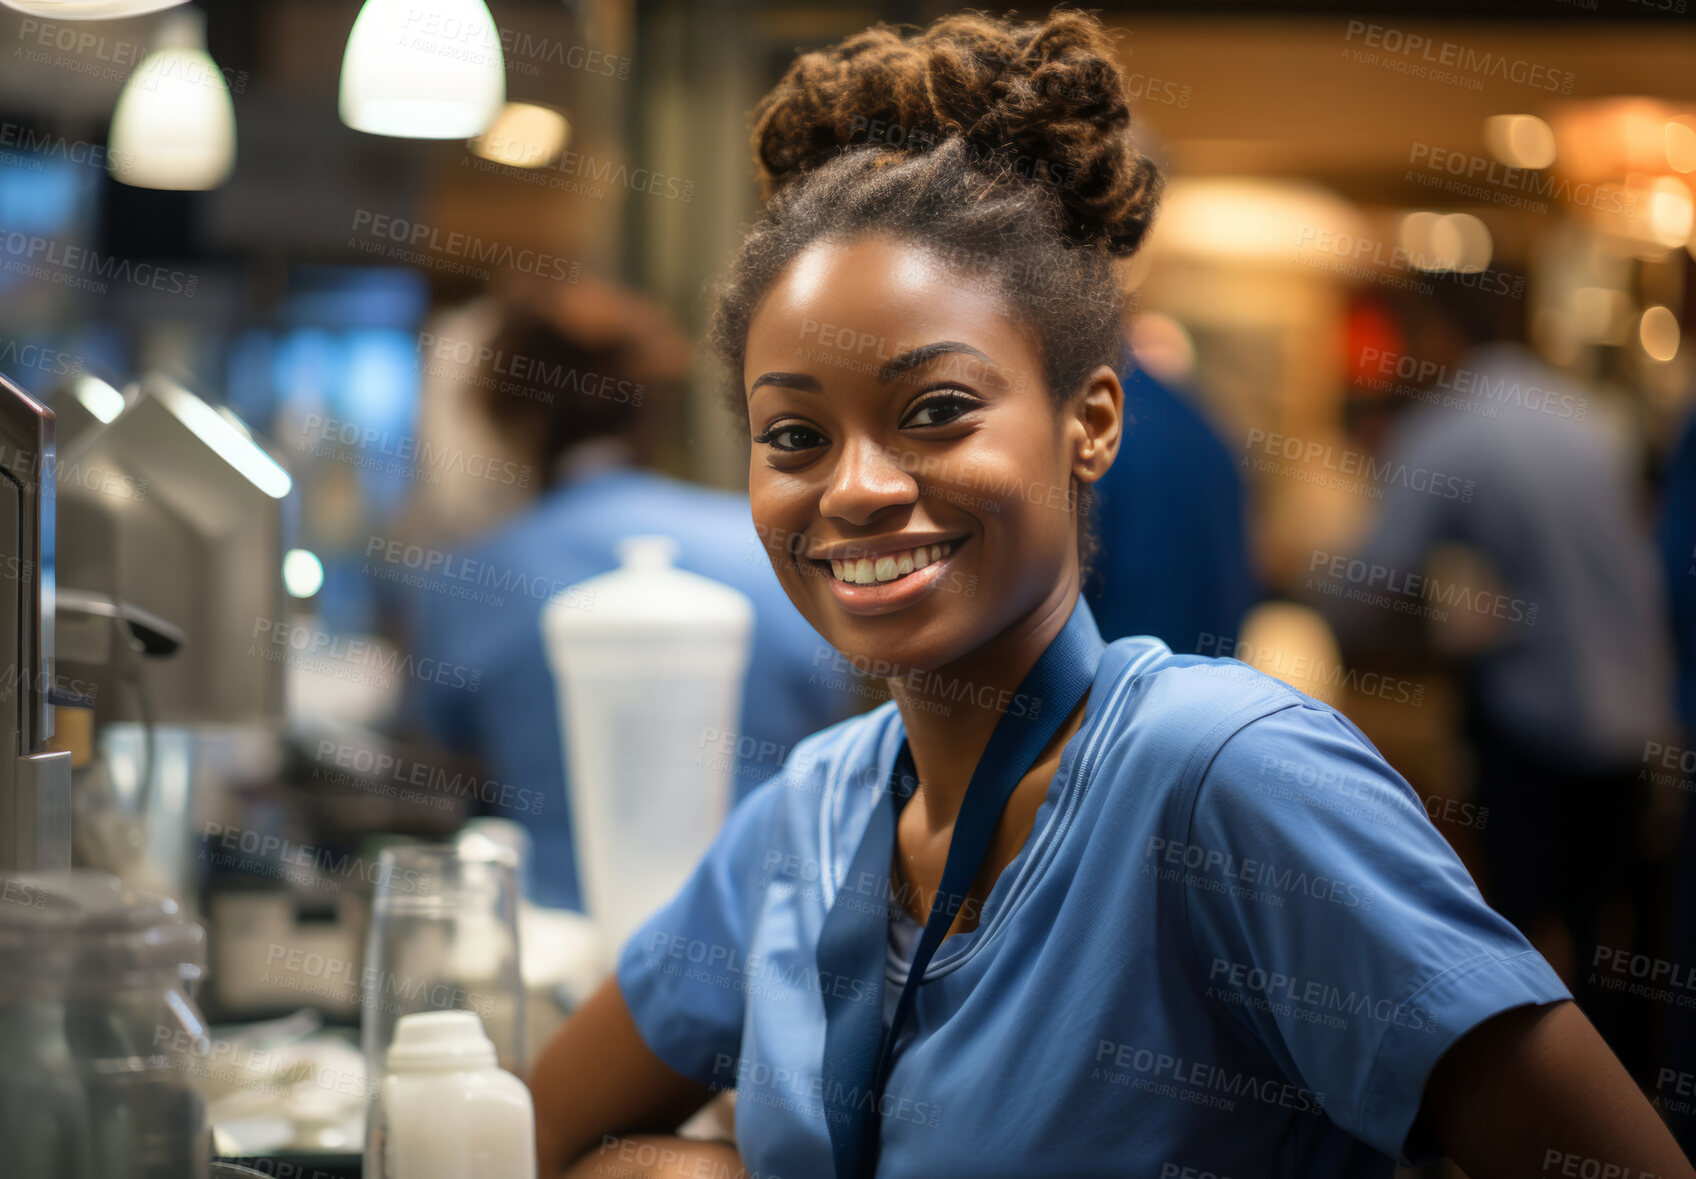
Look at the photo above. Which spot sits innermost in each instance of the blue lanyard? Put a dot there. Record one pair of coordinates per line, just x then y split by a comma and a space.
851, 953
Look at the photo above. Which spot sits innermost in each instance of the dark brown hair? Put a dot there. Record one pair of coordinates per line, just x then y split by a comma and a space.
1004, 149
571, 363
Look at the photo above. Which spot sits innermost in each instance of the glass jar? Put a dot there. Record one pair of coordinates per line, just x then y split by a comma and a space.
100, 1038
444, 936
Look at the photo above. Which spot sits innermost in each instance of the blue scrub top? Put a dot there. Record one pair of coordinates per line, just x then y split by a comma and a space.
1233, 942
484, 614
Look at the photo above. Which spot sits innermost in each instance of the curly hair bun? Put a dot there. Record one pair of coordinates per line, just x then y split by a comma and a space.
1044, 102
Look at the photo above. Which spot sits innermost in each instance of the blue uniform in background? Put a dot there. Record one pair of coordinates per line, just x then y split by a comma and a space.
1677, 537
512, 721
1173, 560
1233, 942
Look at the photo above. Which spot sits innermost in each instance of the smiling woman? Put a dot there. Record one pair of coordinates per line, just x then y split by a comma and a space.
923, 459
1054, 909
1025, 189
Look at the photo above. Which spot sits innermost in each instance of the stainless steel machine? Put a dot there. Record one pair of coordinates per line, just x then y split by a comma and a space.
35, 784
169, 564
171, 526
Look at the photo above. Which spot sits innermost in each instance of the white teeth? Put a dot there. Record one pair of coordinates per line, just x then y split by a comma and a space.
888, 566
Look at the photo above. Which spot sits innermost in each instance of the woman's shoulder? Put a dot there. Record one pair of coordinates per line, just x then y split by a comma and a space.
1147, 684
1176, 721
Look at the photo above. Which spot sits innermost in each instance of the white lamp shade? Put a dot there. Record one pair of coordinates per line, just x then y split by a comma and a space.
174, 125
423, 69
89, 9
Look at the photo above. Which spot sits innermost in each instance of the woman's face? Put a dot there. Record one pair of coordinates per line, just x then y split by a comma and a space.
909, 475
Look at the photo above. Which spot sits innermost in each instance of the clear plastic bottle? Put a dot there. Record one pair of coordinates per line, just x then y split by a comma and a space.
445, 1110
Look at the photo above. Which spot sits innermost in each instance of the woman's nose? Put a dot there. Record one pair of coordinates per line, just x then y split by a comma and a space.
867, 478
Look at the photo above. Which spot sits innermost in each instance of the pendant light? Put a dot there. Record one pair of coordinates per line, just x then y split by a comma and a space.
423, 69
174, 126
89, 9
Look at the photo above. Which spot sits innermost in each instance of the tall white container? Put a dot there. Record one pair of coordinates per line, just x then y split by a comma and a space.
445, 1110
649, 661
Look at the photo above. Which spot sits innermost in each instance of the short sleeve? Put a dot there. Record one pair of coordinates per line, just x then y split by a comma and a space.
683, 973
1332, 918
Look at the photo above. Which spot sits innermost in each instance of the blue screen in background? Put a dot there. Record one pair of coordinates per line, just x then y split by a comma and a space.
342, 349
41, 200
45, 196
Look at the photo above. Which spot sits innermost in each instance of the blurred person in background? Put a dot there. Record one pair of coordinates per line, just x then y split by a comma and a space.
1510, 510
571, 380
1174, 491
1677, 538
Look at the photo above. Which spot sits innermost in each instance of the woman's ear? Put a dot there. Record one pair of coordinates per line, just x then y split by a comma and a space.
1097, 425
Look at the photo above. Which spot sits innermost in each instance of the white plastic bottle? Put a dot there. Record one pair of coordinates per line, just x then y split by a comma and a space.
650, 662
445, 1111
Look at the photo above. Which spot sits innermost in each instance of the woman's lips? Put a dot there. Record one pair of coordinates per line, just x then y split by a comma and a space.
881, 597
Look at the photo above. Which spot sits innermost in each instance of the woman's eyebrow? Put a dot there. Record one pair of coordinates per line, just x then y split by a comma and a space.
926, 353
799, 381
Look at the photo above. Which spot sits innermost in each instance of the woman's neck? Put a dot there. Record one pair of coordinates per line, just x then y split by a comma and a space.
951, 712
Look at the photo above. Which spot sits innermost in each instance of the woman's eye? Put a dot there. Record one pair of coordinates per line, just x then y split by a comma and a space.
939, 411
790, 438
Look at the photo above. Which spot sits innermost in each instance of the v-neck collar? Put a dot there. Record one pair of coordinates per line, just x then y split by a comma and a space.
848, 810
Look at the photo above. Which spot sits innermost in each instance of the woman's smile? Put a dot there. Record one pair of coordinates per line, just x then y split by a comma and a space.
877, 579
